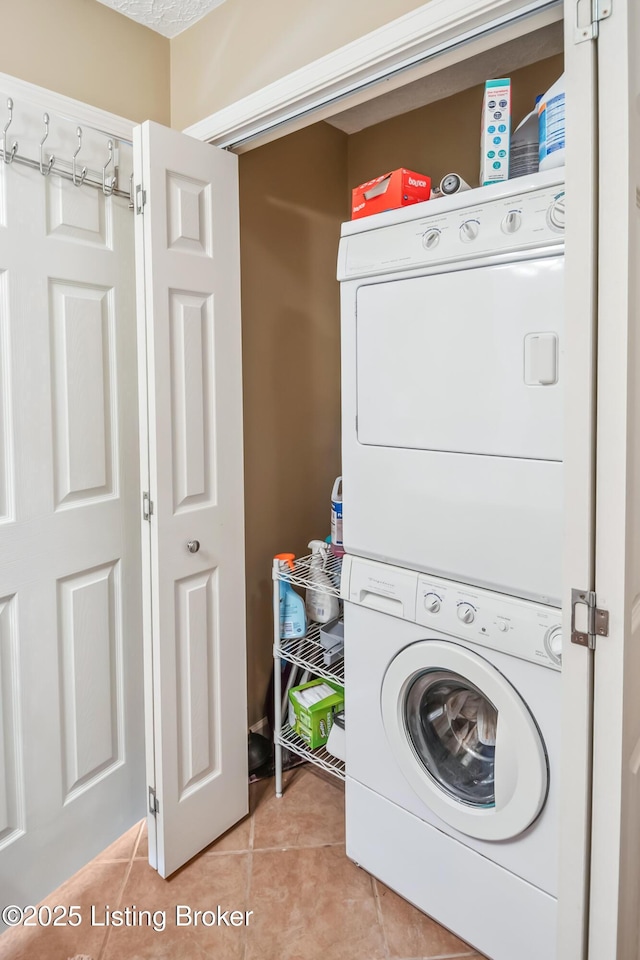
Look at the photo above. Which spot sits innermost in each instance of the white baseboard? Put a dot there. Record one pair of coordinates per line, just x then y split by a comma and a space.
260, 727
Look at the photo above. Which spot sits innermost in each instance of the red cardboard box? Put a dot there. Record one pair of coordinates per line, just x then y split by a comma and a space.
396, 189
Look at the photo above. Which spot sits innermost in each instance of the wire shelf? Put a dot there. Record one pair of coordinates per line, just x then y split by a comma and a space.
308, 652
302, 574
321, 757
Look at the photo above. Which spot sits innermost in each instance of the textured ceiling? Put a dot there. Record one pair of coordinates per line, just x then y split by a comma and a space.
168, 17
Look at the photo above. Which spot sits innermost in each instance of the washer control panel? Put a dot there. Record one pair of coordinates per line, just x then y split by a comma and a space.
520, 628
437, 234
517, 627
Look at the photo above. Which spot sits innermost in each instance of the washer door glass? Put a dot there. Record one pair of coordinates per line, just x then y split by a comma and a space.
464, 739
452, 727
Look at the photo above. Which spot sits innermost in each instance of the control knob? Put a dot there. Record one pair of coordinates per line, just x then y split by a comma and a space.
512, 222
466, 612
431, 238
503, 626
555, 214
553, 643
432, 602
469, 230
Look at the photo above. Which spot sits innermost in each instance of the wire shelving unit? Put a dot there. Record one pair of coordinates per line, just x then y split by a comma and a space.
306, 653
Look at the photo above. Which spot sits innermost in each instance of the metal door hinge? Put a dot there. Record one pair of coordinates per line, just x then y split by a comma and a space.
154, 803
147, 506
141, 198
597, 619
589, 15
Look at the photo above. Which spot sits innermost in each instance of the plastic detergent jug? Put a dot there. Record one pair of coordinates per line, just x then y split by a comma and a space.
293, 621
525, 147
336, 518
322, 604
551, 119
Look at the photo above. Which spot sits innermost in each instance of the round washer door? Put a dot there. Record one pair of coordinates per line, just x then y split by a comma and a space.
465, 740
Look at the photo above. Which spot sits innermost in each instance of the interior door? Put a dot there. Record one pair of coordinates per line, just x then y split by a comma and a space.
187, 247
71, 719
615, 885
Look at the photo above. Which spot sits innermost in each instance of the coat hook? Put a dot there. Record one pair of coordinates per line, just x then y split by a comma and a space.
108, 183
14, 145
46, 170
78, 181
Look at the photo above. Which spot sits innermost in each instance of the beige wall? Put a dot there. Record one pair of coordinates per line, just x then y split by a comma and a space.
84, 50
292, 201
442, 137
243, 45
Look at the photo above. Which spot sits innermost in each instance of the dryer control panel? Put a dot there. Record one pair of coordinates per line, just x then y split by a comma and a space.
520, 628
479, 223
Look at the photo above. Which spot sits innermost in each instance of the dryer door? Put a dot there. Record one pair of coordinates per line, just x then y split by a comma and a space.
463, 362
465, 740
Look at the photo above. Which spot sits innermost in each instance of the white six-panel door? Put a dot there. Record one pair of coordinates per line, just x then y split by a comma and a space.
71, 724
187, 247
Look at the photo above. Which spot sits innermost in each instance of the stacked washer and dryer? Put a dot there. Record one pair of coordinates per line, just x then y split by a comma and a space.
452, 485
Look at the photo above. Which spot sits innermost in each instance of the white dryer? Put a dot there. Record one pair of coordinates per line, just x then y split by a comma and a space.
452, 752
451, 386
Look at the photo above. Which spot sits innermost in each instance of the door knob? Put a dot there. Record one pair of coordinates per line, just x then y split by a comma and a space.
193, 546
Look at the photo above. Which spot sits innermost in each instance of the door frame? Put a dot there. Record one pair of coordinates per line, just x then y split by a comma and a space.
422, 42
430, 38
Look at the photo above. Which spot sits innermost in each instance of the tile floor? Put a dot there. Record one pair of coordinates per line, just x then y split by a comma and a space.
285, 862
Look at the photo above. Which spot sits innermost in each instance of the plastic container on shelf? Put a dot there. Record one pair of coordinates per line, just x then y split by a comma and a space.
551, 119
322, 604
336, 518
293, 620
525, 146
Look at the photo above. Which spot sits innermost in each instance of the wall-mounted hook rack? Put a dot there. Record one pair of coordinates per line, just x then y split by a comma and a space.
109, 183
77, 180
14, 146
45, 168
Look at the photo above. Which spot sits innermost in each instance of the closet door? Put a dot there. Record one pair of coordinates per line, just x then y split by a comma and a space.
187, 250
71, 719
615, 884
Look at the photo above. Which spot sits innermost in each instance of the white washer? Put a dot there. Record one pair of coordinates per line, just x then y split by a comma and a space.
452, 752
451, 386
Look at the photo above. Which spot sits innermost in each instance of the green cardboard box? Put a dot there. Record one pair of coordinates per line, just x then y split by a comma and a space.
314, 721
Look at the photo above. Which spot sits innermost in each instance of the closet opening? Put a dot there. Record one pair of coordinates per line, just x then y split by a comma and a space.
295, 192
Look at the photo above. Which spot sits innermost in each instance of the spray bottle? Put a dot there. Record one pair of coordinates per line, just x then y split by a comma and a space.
322, 604
293, 622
